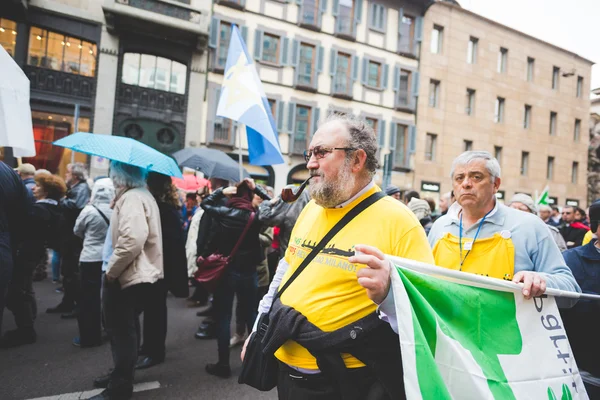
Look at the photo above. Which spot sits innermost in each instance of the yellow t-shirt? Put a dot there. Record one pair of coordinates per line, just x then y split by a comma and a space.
327, 292
587, 238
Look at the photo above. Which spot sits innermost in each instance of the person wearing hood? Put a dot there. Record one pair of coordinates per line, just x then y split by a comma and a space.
92, 226
42, 224
422, 211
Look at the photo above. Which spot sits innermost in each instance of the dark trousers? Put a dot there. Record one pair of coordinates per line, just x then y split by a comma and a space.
89, 318
121, 309
244, 287
21, 297
155, 322
3, 290
294, 385
69, 268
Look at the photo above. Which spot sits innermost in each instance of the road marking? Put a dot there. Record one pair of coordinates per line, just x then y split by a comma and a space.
138, 387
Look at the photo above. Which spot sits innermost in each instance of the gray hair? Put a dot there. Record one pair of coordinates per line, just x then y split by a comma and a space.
544, 207
362, 136
128, 176
467, 157
78, 170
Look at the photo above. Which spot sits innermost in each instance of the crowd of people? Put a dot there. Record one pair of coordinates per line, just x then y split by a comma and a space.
118, 245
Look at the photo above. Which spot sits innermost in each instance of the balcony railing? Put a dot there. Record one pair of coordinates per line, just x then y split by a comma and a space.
224, 132
298, 144
342, 86
183, 12
59, 82
151, 98
404, 100
310, 16
345, 27
239, 4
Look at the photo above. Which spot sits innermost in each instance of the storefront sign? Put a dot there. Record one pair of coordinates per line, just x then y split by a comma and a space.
430, 187
573, 202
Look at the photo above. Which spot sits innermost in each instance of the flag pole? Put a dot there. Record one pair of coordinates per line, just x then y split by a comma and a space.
241, 126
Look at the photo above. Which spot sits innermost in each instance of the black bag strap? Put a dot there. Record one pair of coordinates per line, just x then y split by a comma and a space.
102, 215
350, 215
241, 238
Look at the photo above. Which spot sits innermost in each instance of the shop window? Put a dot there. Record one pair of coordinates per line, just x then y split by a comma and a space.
8, 35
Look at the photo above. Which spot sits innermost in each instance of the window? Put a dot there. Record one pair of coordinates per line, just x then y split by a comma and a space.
498, 154
430, 145
527, 117
401, 146
404, 88
302, 131
407, 35
577, 130
552, 123
374, 74
153, 72
434, 93
347, 18
273, 106
437, 36
499, 111
524, 163
579, 86
8, 35
550, 169
555, 77
306, 64
377, 17
62, 53
223, 46
470, 105
472, 50
468, 145
373, 123
270, 50
342, 81
530, 68
574, 172
310, 12
502, 60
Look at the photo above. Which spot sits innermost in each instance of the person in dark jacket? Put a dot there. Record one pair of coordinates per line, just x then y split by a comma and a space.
574, 231
152, 351
42, 223
584, 262
78, 195
240, 277
15, 201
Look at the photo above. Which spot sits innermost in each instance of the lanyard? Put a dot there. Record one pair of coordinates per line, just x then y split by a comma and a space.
460, 231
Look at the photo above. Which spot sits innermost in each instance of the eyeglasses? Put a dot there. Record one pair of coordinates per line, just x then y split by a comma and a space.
321, 152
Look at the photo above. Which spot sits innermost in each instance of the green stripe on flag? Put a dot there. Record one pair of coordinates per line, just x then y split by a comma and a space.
483, 321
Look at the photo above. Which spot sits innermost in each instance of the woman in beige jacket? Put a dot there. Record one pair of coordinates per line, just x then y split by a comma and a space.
136, 263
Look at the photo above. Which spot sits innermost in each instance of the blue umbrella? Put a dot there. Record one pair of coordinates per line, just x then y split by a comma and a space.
122, 149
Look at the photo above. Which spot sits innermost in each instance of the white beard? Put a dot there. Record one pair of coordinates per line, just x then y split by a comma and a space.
333, 191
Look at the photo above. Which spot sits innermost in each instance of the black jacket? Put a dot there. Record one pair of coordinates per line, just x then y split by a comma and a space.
228, 225
174, 260
42, 224
15, 201
573, 233
77, 198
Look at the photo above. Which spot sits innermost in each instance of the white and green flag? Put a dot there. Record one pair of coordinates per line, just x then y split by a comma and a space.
469, 337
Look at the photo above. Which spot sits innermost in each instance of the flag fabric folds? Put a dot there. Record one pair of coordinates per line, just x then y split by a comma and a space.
243, 100
543, 199
463, 339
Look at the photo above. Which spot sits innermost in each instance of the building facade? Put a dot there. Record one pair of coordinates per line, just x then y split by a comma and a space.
317, 57
485, 86
594, 149
134, 68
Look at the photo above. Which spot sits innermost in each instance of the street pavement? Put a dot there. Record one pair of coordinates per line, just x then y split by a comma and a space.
53, 366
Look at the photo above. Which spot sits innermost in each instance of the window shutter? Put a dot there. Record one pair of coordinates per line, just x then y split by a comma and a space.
396, 78
372, 15
364, 70
291, 118
418, 32
245, 33
400, 17
315, 120
386, 75
235, 130
285, 51
358, 12
214, 33
322, 10
258, 44
415, 83
413, 140
332, 62
355, 63
381, 133
280, 111
393, 138
336, 8
320, 57
295, 52
210, 132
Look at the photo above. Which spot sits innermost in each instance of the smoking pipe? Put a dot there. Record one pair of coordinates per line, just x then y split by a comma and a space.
291, 193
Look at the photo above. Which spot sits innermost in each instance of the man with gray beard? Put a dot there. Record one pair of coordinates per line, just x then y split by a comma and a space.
340, 287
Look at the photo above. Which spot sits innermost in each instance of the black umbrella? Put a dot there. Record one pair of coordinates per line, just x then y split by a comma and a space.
212, 163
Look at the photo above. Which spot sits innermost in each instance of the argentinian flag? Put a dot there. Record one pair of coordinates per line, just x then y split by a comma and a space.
243, 100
